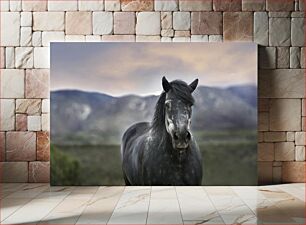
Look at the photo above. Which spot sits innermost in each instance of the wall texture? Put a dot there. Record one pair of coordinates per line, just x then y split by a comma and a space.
27, 28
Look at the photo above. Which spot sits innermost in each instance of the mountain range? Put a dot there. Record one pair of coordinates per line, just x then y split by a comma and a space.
79, 117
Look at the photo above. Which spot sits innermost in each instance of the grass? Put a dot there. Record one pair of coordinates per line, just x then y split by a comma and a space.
229, 158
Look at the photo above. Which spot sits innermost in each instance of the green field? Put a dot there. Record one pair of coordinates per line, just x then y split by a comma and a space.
229, 158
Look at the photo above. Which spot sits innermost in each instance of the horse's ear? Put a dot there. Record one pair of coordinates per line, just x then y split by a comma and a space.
194, 85
166, 84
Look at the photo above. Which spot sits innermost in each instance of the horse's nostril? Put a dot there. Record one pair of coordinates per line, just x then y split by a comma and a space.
175, 136
188, 136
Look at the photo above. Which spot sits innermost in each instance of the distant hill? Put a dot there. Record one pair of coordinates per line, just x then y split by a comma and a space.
79, 117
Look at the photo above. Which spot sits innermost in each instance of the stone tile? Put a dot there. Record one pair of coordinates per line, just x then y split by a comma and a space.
118, 38
148, 23
203, 5
281, 83
124, 22
181, 20
52, 36
4, 5
34, 123
199, 38
167, 33
285, 115
293, 172
20, 146
48, 21
137, 5
238, 26
277, 174
41, 57
143, 38
182, 33
181, 39
102, 22
283, 57
215, 38
25, 36
24, 57
275, 136
264, 172
279, 14
21, 122
297, 32
45, 122
15, 6
263, 121
166, 39
300, 153
295, 57
267, 57
10, 28
37, 39
261, 28
287, 5
265, 152
78, 23
206, 23
56, 5
43, 146
94, 5
227, 5
298, 14
260, 136
112, 5
301, 5
75, 38
169, 5
166, 20
39, 172
2, 57
45, 105
10, 57
92, 38
7, 114
300, 138
263, 105
279, 31
14, 172
303, 107
37, 83
26, 19
253, 5
290, 136
2, 146
303, 58
12, 83
284, 151
28, 5
28, 106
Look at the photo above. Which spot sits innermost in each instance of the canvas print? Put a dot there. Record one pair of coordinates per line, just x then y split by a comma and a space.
153, 114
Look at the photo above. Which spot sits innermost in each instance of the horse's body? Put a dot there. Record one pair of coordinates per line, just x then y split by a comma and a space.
149, 156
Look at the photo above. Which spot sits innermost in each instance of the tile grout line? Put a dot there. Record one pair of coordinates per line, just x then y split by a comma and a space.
178, 201
87, 203
213, 205
116, 205
149, 205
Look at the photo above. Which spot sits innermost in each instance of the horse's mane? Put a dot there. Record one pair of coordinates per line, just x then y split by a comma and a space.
182, 91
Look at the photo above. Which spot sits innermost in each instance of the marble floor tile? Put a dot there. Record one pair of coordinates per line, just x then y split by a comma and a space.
9, 205
100, 208
132, 207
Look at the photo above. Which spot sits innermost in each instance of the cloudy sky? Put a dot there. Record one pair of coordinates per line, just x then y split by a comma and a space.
137, 68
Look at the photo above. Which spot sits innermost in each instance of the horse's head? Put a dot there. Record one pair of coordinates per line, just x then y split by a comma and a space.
178, 109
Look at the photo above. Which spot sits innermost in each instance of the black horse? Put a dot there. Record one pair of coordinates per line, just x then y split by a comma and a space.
164, 152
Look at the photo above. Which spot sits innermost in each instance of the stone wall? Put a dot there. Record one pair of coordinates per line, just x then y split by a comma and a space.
27, 28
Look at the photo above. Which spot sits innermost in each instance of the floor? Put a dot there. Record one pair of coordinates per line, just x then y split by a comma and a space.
42, 204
